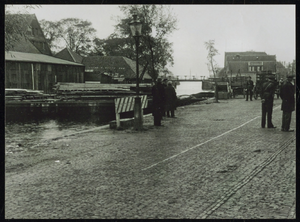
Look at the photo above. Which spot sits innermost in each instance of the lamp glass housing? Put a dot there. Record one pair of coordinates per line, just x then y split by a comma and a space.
135, 27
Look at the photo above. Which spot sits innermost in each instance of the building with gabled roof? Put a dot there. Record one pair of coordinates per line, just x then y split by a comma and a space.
30, 65
35, 41
69, 55
118, 67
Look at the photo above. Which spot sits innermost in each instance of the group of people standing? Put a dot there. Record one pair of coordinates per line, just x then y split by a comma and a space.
286, 92
164, 100
287, 95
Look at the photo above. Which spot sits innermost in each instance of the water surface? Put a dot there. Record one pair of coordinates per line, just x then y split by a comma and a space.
188, 88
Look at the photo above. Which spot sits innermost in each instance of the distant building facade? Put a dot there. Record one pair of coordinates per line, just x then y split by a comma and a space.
69, 55
247, 64
118, 68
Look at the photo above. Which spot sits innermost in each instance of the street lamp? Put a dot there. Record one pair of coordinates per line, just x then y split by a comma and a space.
136, 30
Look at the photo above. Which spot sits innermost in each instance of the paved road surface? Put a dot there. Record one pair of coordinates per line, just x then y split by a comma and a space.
211, 162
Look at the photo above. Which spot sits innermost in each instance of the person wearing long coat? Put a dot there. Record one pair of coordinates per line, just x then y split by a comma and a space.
267, 99
171, 100
287, 93
158, 102
165, 84
249, 88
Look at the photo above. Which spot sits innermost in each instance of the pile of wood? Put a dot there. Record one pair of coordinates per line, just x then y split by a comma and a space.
92, 87
25, 94
87, 91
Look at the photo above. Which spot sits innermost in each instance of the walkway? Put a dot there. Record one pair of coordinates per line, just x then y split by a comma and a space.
211, 162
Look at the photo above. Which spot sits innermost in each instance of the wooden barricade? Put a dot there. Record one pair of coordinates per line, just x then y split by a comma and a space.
126, 104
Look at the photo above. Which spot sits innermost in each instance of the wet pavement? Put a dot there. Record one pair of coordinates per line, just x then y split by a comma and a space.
213, 161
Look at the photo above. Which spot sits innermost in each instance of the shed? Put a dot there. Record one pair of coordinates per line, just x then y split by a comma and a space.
39, 71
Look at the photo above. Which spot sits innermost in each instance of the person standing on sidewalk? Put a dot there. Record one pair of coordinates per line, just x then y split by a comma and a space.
267, 98
158, 95
249, 88
287, 93
165, 84
171, 99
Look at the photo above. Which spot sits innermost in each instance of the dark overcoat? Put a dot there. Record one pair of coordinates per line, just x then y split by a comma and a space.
267, 93
158, 99
249, 85
171, 98
287, 94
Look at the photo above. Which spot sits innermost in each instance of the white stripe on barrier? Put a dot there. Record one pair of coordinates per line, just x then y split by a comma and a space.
144, 99
126, 104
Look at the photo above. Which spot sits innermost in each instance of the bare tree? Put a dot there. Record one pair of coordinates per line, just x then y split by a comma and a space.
212, 65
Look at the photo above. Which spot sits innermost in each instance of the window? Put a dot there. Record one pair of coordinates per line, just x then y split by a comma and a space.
249, 68
258, 68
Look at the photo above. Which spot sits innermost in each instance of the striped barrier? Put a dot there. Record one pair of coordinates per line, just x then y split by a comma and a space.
126, 104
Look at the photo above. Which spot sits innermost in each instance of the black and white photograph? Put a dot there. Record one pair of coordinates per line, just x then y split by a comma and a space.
150, 111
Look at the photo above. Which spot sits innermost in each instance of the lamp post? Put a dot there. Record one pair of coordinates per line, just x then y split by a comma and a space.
136, 29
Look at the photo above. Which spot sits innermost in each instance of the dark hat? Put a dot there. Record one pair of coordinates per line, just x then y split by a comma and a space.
290, 76
165, 80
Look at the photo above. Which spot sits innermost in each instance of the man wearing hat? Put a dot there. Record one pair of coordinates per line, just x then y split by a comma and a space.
249, 88
158, 100
165, 84
287, 93
267, 98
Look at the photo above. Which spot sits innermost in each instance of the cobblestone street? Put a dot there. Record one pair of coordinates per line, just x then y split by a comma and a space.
213, 161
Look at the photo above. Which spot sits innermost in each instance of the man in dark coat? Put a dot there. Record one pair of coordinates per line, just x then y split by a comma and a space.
287, 93
158, 96
164, 83
267, 98
171, 99
249, 88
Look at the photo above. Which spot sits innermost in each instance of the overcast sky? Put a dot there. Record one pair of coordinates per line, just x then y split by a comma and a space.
235, 28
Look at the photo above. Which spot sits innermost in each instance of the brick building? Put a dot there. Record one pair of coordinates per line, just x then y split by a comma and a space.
247, 63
